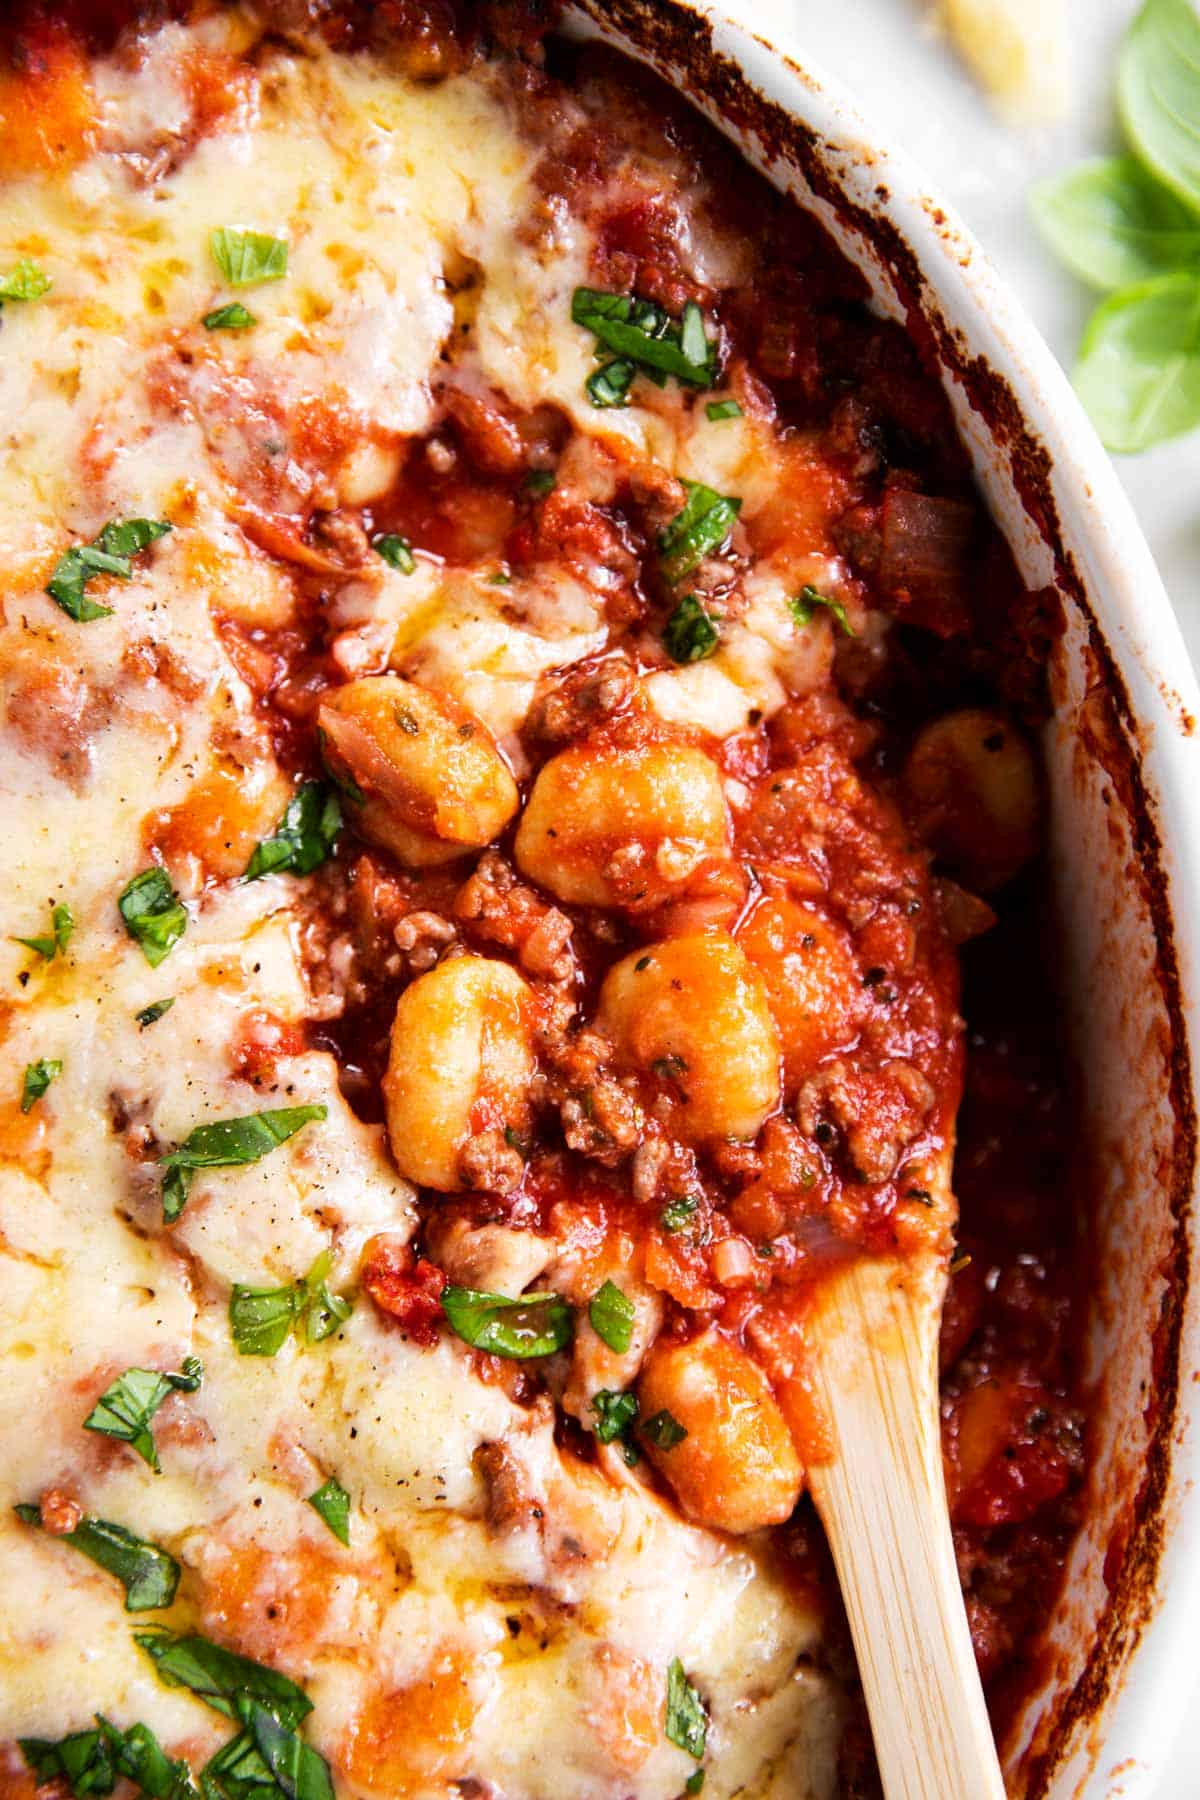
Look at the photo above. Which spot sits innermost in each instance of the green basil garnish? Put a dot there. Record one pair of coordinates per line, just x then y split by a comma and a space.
261, 1319
687, 1721
1113, 224
332, 1502
154, 914
62, 924
723, 409
108, 554
25, 282
679, 1212
694, 1782
397, 551
233, 317
616, 1415
221, 1677
266, 1759
664, 1430
644, 334
612, 1313
304, 837
148, 1575
690, 634
150, 1015
93, 1761
803, 604
540, 482
702, 525
1158, 94
247, 257
227, 1144
609, 385
125, 1408
532, 1325
38, 1076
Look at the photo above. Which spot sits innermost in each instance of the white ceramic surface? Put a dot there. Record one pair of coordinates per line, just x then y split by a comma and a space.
1113, 973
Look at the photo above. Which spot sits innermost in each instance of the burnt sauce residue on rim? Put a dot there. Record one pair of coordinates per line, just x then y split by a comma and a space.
677, 42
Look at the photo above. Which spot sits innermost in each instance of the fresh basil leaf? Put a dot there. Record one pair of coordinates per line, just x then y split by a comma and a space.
532, 1325
292, 1767
615, 1413
664, 1430
397, 551
227, 1144
25, 282
261, 1319
802, 604
1113, 224
154, 914
690, 634
1158, 94
703, 525
694, 1782
84, 1760
332, 1502
221, 1677
233, 317
109, 554
247, 257
62, 924
679, 1212
38, 1076
138, 1754
612, 1313
126, 1407
540, 482
1138, 372
645, 334
723, 409
148, 1575
609, 385
687, 1721
237, 1772
304, 837
150, 1015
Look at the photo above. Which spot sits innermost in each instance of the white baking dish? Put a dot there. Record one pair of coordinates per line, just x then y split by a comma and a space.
1116, 1660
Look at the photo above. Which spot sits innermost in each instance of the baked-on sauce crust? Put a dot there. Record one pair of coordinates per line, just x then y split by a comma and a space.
645, 963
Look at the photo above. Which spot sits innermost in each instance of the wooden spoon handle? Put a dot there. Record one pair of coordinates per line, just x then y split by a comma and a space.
882, 1501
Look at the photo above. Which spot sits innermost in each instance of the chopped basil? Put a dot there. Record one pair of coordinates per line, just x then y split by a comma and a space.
266, 1758
246, 257
690, 634
108, 554
125, 1408
333, 1503
143, 1759
679, 1212
233, 317
609, 385
262, 1319
703, 524
38, 1076
501, 578
540, 482
694, 1782
615, 1413
723, 409
801, 607
92, 1762
397, 551
643, 333
221, 1677
154, 914
26, 282
531, 1325
148, 1575
664, 1430
228, 1143
687, 1721
611, 1313
304, 837
150, 1015
62, 924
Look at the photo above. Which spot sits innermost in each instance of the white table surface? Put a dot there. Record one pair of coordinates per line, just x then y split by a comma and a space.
908, 82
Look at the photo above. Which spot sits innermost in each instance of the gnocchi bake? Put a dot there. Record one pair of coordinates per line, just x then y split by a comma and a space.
523, 842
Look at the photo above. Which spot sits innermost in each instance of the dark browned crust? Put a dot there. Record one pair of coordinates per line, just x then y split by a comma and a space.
680, 46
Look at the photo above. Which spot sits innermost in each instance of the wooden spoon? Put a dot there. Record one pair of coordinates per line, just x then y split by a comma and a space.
882, 1501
